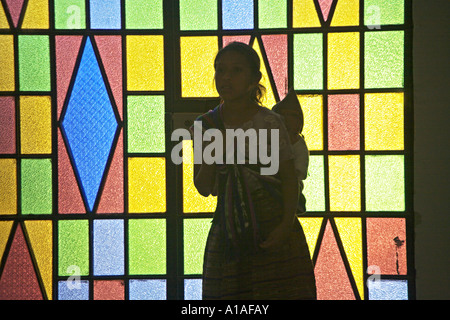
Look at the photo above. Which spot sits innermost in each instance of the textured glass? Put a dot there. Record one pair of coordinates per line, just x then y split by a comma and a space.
343, 60
5, 229
105, 14
346, 13
343, 122
195, 235
70, 14
146, 125
3, 21
385, 289
68, 292
308, 61
384, 59
109, 256
277, 56
386, 245
237, 14
385, 183
192, 200
345, 184
193, 289
311, 228
7, 125
147, 289
198, 15
269, 98
40, 234
332, 280
35, 124
272, 14
146, 185
147, 246
109, 290
15, 9
312, 107
89, 124
73, 247
382, 12
7, 63
325, 6
384, 121
145, 63
144, 14
304, 14
314, 187
351, 236
34, 63
36, 15
197, 66
8, 186
36, 181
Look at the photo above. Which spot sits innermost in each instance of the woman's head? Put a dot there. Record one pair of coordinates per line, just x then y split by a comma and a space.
238, 72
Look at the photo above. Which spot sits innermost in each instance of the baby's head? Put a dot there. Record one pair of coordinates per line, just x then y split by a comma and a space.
291, 111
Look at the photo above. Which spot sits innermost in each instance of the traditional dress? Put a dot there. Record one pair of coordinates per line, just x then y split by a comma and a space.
249, 208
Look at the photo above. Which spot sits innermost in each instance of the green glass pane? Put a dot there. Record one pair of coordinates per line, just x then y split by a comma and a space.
144, 14
385, 183
195, 235
382, 12
147, 246
70, 14
308, 61
384, 59
272, 14
198, 15
34, 63
314, 187
73, 247
146, 129
36, 181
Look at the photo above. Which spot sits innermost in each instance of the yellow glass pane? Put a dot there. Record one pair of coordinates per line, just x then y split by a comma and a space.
7, 63
269, 98
146, 185
345, 184
346, 13
3, 20
351, 237
36, 16
8, 186
304, 14
197, 66
312, 106
145, 63
311, 228
5, 229
384, 121
40, 235
35, 124
343, 60
192, 200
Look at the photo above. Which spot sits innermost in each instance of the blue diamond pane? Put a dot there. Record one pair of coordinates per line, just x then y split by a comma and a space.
89, 124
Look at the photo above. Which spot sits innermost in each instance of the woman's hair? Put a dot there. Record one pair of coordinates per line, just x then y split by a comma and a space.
253, 60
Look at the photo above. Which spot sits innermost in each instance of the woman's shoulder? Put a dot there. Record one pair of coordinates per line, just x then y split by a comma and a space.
270, 118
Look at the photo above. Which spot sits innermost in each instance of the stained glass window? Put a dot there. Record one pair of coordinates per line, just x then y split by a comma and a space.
93, 208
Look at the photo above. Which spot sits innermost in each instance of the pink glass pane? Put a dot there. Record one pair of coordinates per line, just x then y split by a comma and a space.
15, 7
343, 122
66, 49
227, 39
69, 197
109, 290
110, 48
325, 6
18, 280
386, 245
276, 51
112, 196
331, 277
7, 125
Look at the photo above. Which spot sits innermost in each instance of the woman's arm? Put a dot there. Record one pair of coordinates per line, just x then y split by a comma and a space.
289, 189
205, 178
